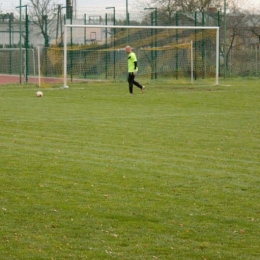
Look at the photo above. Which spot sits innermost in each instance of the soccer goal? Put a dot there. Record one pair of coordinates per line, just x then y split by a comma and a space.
174, 53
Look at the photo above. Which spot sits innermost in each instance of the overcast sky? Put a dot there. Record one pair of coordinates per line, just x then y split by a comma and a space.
83, 6
98, 7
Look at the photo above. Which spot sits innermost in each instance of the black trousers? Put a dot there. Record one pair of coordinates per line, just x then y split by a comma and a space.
132, 82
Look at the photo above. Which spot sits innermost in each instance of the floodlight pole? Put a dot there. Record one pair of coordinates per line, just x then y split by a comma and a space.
65, 58
20, 39
154, 53
127, 22
20, 12
225, 28
191, 61
126, 12
106, 46
114, 30
26, 43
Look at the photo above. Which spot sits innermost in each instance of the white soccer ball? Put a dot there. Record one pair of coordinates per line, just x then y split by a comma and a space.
39, 94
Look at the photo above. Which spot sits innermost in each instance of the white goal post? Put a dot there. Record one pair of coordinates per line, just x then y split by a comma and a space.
68, 28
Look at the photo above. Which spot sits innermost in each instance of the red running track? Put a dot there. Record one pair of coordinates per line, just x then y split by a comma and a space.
15, 79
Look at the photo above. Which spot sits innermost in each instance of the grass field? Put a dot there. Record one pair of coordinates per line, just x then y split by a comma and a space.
91, 172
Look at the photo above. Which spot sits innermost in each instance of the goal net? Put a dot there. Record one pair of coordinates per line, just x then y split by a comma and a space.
97, 52
50, 66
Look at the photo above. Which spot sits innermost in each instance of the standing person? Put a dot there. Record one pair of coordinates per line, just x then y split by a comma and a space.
132, 70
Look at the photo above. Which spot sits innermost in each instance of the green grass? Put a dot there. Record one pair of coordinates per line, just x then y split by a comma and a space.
91, 172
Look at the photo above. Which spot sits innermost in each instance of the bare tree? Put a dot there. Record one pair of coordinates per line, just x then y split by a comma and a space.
235, 34
186, 5
167, 9
42, 14
252, 22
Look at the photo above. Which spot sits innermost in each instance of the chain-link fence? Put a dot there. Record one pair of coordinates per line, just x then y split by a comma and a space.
22, 32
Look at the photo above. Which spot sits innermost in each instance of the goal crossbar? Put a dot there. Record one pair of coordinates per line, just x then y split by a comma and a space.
139, 27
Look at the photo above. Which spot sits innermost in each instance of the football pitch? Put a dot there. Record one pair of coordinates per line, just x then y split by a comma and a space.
91, 172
